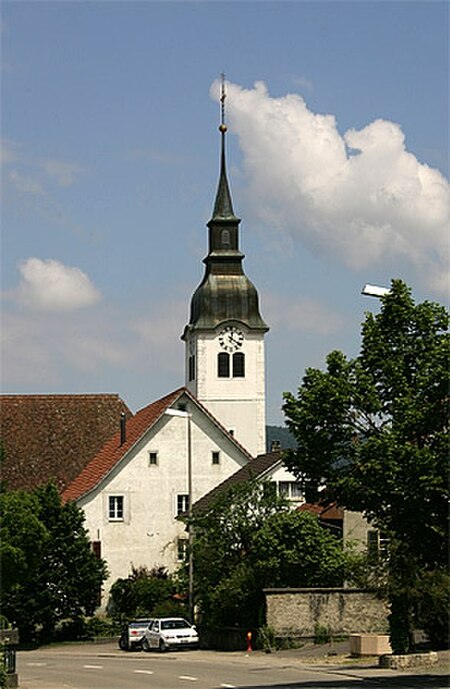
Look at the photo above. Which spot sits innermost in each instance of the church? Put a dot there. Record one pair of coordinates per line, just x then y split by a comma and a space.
136, 480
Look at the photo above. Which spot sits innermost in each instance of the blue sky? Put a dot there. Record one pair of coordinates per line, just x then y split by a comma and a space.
337, 158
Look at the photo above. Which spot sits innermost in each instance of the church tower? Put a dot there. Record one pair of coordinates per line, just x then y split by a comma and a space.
224, 339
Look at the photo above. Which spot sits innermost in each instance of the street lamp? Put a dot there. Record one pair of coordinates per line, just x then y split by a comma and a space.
188, 417
375, 291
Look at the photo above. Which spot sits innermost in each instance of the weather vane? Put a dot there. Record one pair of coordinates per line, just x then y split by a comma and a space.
223, 95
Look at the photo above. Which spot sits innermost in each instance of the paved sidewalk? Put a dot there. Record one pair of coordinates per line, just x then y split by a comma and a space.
337, 654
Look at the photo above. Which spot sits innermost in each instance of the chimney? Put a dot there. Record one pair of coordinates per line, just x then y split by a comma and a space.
123, 428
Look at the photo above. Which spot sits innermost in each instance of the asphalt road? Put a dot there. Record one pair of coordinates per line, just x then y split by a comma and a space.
98, 667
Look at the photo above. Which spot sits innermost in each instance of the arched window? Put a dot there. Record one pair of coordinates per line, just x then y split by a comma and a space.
225, 237
223, 365
238, 365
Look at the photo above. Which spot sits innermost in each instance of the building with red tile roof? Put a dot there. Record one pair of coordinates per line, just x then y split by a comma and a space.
53, 437
141, 480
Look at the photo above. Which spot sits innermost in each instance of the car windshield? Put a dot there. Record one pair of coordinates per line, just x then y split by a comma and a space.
143, 623
175, 624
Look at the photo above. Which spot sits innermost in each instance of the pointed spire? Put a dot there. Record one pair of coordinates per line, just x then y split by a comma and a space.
223, 207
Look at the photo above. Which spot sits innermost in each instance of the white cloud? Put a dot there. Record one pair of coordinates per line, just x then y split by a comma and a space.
303, 83
63, 173
52, 286
37, 170
93, 349
8, 152
26, 184
301, 315
360, 198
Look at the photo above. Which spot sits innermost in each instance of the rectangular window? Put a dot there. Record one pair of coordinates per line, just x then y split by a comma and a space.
152, 458
215, 457
283, 489
192, 367
223, 365
238, 365
182, 503
297, 491
182, 549
96, 547
115, 508
292, 490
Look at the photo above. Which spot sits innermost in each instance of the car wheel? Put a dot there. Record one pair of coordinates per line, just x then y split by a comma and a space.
145, 644
162, 646
123, 644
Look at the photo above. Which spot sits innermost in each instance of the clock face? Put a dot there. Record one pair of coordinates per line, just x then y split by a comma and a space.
231, 338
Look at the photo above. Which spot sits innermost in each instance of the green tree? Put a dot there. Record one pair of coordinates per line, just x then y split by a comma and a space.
292, 549
49, 570
374, 431
249, 539
223, 538
145, 592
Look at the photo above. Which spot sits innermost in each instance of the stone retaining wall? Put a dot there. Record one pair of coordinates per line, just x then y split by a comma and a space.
298, 612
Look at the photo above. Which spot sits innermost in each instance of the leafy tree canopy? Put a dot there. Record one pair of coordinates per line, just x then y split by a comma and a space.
49, 570
145, 592
374, 429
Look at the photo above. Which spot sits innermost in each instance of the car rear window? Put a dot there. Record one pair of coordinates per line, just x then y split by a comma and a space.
174, 624
145, 623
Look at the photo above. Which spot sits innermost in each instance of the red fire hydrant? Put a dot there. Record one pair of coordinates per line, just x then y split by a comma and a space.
249, 642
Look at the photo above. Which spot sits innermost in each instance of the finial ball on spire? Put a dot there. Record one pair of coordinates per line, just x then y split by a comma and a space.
223, 128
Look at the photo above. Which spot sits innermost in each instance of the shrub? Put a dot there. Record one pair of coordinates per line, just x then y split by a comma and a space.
321, 634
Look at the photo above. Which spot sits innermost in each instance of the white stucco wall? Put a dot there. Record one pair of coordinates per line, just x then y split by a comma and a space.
148, 533
238, 403
355, 529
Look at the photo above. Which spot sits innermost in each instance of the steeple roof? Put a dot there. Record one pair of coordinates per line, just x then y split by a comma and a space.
223, 206
225, 293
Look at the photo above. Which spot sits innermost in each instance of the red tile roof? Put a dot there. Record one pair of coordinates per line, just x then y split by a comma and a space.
113, 451
324, 512
54, 436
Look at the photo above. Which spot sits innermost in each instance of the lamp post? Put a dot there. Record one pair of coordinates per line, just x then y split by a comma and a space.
188, 417
375, 291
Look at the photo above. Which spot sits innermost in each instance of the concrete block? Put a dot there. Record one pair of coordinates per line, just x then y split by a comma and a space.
369, 644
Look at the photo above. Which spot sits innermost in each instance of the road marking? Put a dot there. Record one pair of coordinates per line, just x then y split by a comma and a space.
190, 679
36, 664
93, 667
144, 672
228, 686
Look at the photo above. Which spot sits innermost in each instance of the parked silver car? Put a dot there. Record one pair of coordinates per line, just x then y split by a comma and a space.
133, 634
170, 632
